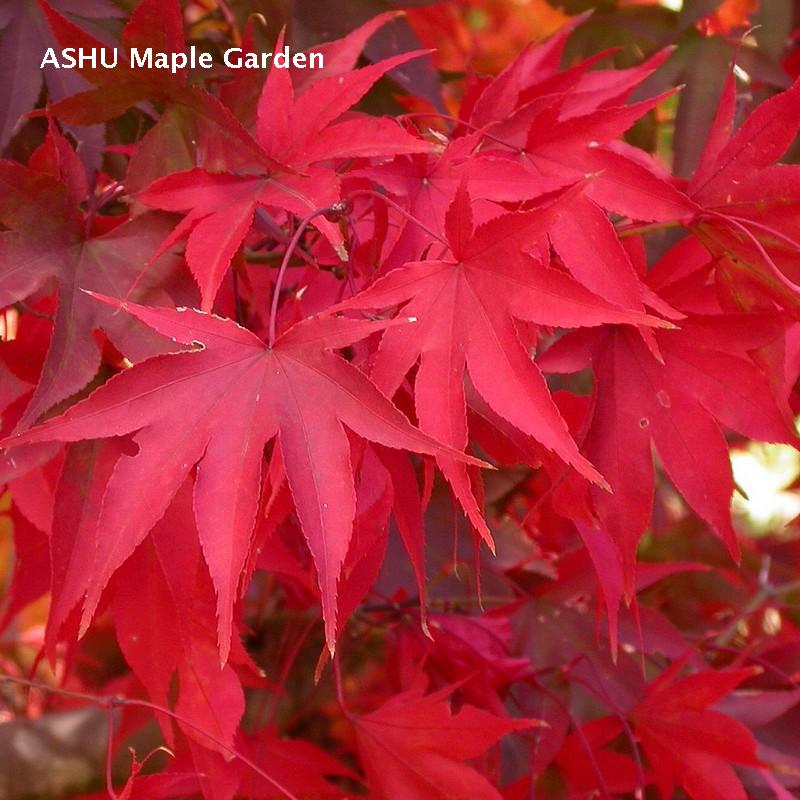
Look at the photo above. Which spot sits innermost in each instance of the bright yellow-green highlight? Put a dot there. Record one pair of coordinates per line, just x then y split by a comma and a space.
764, 471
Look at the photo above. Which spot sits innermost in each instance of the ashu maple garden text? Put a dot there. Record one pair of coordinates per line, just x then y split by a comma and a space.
148, 58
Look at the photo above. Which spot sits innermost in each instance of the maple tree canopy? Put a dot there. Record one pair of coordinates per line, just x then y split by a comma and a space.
369, 388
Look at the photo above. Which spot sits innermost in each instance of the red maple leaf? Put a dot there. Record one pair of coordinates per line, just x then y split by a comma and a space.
24, 40
747, 215
705, 380
298, 142
242, 394
466, 304
153, 24
162, 601
414, 747
689, 744
79, 251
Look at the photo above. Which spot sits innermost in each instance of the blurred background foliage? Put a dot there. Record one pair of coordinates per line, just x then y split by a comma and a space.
485, 35
470, 37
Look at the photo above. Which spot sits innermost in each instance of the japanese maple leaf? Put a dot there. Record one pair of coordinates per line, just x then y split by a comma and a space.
24, 39
29, 580
622, 183
162, 601
414, 747
689, 744
705, 380
299, 132
157, 24
747, 204
477, 646
467, 303
66, 249
78, 497
536, 73
566, 124
195, 128
584, 754
242, 394
428, 182
555, 143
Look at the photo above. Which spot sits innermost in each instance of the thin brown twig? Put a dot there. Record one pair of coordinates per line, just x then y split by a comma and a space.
114, 701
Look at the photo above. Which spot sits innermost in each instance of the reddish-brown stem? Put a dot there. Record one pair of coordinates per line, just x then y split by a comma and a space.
96, 203
787, 240
265, 221
294, 652
601, 782
287, 257
229, 18
237, 298
606, 698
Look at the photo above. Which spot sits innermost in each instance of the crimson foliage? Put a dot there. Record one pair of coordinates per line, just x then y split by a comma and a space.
285, 378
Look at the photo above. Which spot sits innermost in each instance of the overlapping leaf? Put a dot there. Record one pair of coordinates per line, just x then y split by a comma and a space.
689, 744
749, 205
307, 133
466, 303
24, 40
705, 380
414, 747
79, 255
242, 394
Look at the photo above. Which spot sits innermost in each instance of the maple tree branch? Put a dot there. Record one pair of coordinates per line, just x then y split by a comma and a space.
766, 591
24, 308
761, 662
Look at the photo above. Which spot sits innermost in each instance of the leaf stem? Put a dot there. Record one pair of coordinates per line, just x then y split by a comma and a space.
601, 782
287, 257
781, 237
756, 243
265, 222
